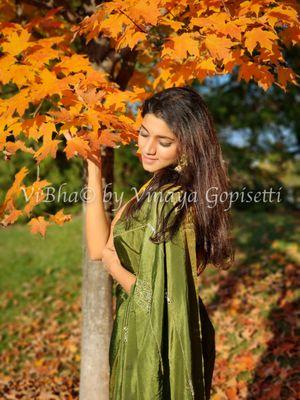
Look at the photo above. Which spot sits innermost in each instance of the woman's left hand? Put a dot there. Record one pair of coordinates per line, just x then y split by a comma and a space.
110, 257
109, 254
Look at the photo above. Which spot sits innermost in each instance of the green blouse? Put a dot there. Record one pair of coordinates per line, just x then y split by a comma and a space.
162, 344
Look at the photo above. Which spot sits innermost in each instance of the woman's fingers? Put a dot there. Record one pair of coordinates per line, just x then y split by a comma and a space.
7, 155
92, 156
68, 136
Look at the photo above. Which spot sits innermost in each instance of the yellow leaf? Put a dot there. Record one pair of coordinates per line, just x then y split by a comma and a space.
179, 46
16, 43
78, 145
146, 10
130, 38
113, 24
60, 218
219, 47
258, 36
38, 225
175, 25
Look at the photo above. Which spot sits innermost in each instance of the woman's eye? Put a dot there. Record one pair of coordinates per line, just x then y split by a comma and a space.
166, 144
140, 132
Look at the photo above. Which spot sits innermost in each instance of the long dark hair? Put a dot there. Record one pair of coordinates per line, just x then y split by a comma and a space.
187, 115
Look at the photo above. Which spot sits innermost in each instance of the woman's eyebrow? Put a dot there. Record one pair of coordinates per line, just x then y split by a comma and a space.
160, 136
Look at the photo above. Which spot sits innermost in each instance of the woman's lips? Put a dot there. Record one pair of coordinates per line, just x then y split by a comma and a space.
148, 160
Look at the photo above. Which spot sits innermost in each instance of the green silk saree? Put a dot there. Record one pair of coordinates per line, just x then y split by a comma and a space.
162, 344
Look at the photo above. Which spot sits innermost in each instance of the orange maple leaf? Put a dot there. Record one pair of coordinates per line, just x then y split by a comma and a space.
60, 218
17, 41
38, 225
259, 36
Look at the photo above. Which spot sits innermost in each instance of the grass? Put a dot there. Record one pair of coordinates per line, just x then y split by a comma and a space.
31, 266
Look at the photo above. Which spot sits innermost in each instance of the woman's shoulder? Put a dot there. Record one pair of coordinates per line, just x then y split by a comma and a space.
168, 192
164, 197
160, 201
170, 199
176, 195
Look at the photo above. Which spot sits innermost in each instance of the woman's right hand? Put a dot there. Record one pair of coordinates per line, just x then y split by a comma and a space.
93, 158
94, 161
7, 155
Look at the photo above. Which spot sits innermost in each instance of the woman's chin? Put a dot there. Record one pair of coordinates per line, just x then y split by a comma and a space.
153, 168
149, 168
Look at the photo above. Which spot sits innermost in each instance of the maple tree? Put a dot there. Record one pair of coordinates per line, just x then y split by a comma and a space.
59, 99
195, 39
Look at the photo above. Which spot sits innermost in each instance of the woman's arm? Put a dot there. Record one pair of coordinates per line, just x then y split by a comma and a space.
112, 262
97, 223
99, 231
125, 278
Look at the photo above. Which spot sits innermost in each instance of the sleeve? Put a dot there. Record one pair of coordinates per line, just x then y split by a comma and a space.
164, 356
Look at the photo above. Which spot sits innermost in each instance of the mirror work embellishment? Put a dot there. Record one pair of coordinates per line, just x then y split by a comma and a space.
143, 294
167, 297
125, 333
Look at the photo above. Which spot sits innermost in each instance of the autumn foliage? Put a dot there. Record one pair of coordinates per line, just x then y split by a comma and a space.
58, 99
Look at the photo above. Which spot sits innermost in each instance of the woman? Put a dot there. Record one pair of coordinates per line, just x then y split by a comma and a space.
162, 344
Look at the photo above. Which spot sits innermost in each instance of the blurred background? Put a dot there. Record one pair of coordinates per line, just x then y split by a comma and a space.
252, 305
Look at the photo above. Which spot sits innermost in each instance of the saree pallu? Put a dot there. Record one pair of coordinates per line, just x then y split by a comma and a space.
162, 345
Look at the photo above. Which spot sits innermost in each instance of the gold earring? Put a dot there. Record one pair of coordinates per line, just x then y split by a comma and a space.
181, 164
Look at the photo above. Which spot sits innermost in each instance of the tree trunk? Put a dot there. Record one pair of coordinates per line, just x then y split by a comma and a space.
96, 329
97, 315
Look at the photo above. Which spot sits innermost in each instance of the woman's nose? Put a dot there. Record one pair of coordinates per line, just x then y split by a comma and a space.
150, 147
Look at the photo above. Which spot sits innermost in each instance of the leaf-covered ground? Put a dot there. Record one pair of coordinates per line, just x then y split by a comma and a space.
252, 306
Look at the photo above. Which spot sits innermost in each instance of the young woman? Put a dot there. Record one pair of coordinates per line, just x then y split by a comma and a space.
163, 342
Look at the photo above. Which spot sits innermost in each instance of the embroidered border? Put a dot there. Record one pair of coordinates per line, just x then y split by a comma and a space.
143, 294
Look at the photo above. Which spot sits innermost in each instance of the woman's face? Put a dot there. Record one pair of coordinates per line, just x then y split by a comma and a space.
157, 142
